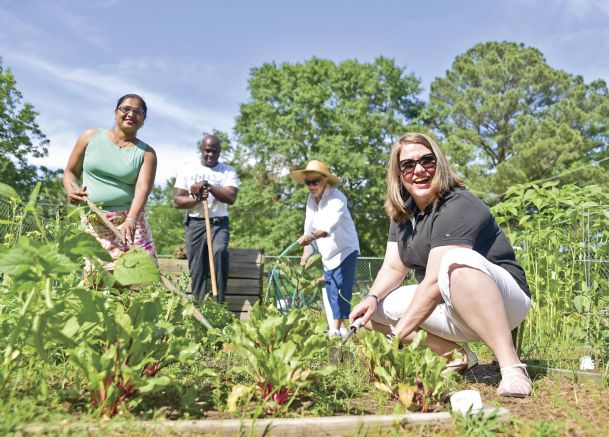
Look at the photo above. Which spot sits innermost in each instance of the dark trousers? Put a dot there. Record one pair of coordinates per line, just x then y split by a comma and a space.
197, 253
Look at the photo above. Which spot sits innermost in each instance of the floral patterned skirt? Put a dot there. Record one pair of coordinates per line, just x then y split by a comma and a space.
142, 239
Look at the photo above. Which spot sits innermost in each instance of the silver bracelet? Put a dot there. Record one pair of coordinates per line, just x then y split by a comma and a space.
131, 219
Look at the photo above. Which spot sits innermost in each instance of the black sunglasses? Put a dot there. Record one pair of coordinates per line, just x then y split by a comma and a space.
408, 165
312, 181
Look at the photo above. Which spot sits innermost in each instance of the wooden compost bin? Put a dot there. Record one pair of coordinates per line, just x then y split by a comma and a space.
245, 277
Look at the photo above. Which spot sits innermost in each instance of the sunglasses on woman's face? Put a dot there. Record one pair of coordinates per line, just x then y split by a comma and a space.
408, 165
312, 182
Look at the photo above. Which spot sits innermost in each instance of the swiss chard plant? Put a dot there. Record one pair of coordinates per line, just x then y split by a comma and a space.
279, 349
120, 341
410, 374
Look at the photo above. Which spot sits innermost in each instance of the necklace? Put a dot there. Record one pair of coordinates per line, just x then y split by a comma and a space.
116, 140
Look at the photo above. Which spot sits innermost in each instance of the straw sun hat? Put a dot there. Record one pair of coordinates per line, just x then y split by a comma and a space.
314, 167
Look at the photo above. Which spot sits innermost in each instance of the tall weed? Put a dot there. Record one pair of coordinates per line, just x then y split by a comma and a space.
559, 248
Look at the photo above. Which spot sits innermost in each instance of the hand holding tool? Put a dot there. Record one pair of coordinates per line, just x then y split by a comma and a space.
210, 249
353, 328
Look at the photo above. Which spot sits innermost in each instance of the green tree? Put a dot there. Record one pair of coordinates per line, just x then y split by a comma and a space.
20, 137
507, 117
346, 114
166, 222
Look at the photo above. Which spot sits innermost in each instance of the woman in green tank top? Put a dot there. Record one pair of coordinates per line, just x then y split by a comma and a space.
117, 173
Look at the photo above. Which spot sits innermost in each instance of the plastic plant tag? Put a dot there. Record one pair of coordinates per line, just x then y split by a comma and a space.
464, 400
586, 363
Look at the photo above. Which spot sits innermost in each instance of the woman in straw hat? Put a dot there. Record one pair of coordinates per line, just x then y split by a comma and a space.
329, 230
470, 285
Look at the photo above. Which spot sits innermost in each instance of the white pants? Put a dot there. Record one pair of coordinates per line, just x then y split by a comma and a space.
444, 321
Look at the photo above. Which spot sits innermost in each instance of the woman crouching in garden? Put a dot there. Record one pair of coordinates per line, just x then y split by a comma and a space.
470, 285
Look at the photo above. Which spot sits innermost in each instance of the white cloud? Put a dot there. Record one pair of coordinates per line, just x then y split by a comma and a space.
102, 3
59, 151
170, 159
94, 81
574, 8
12, 24
75, 24
583, 8
171, 128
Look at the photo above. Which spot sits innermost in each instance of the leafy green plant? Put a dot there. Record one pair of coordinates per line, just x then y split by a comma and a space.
410, 374
32, 268
294, 286
558, 233
482, 423
278, 349
544, 428
119, 341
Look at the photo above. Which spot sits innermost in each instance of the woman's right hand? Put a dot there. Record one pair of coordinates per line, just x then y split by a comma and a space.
365, 309
306, 239
77, 194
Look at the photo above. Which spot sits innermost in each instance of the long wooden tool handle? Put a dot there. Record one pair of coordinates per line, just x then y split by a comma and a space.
102, 217
164, 280
195, 312
210, 250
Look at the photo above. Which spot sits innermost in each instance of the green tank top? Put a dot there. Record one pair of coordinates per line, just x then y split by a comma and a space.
110, 173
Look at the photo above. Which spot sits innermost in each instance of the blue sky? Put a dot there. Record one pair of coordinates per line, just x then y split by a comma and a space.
191, 59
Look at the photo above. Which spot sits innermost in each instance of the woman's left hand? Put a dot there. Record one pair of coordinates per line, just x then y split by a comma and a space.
128, 230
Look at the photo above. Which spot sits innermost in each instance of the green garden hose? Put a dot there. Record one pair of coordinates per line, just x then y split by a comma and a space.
287, 285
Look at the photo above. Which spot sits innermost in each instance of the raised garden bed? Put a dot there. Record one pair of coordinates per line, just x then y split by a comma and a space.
298, 427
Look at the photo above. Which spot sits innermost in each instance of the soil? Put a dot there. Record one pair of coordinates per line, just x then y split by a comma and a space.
559, 403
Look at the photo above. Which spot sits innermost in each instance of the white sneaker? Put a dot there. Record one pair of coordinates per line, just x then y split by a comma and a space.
333, 333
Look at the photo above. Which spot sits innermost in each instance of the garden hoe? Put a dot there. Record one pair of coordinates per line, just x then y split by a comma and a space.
165, 282
336, 352
210, 250
353, 328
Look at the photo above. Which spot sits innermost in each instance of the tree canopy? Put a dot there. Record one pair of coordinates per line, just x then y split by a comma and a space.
503, 115
507, 117
346, 114
20, 136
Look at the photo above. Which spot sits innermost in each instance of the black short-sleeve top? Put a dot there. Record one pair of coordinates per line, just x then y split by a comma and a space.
457, 218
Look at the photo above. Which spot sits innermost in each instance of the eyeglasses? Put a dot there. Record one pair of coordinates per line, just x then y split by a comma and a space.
408, 165
312, 181
127, 109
